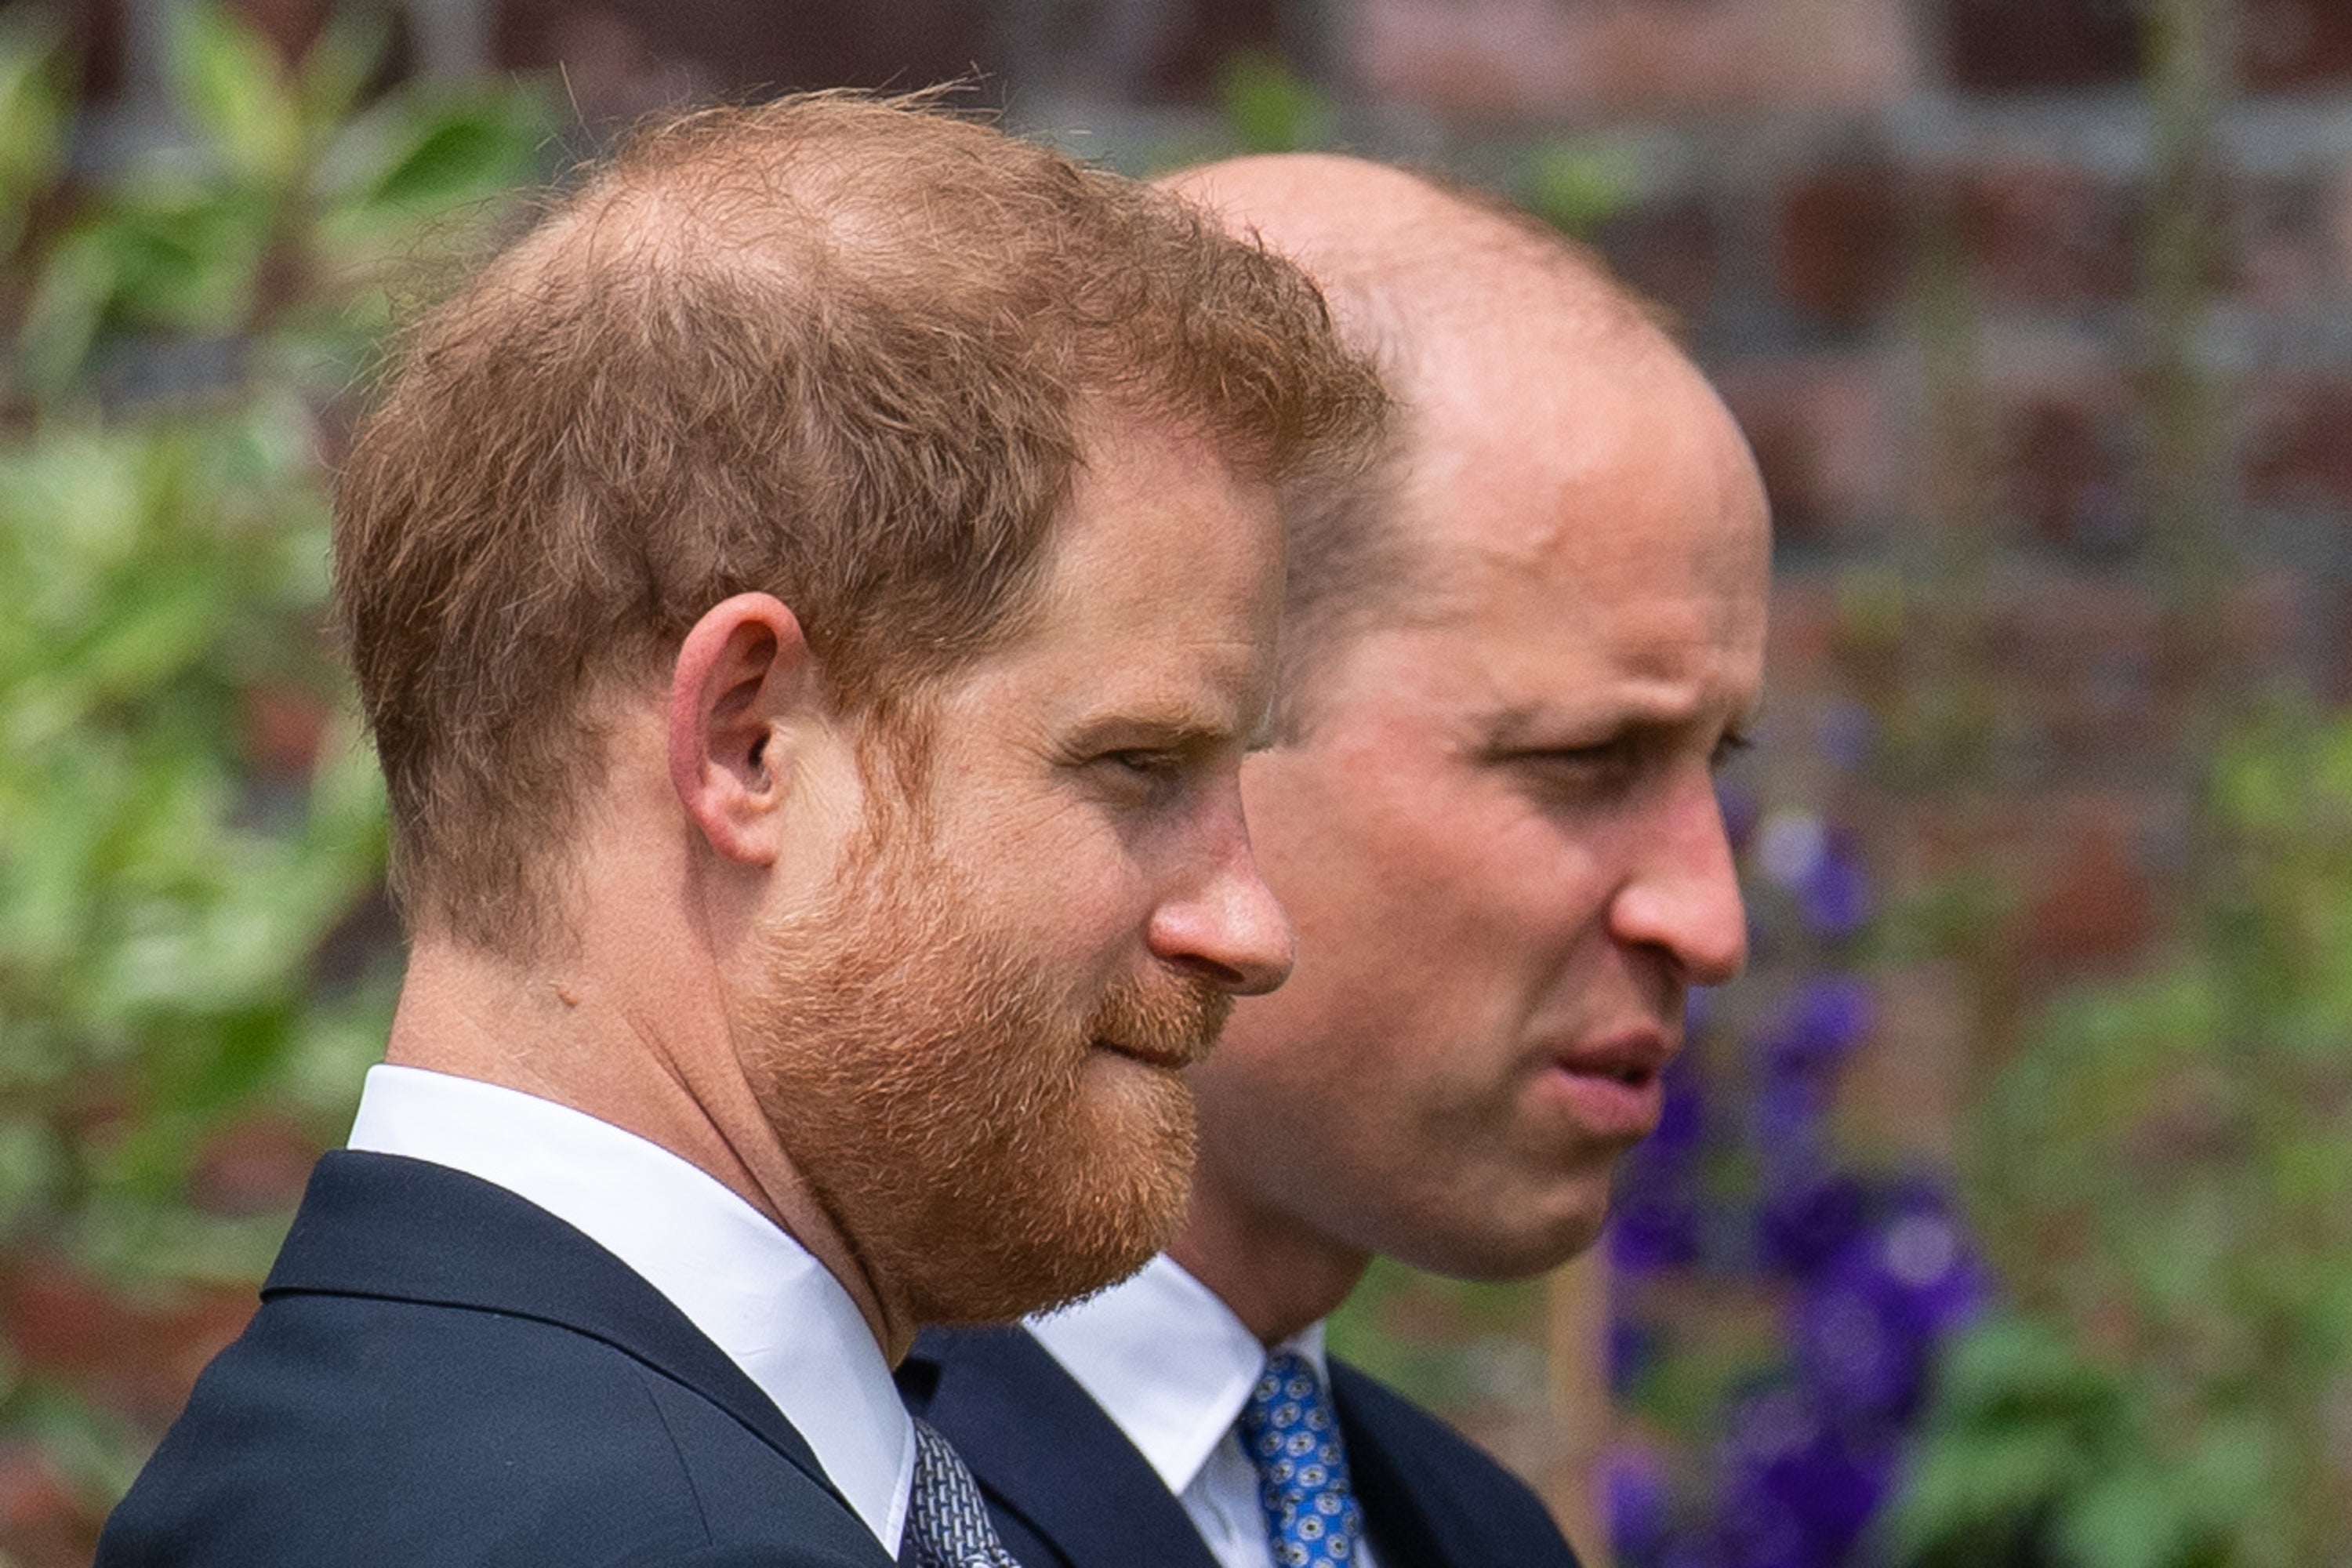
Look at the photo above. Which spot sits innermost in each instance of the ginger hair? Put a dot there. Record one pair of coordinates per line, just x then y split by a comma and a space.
837, 349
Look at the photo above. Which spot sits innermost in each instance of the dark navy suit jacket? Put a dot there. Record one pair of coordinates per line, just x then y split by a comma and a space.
1068, 1490
443, 1374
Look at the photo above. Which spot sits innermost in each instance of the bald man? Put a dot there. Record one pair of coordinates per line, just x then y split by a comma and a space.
1512, 655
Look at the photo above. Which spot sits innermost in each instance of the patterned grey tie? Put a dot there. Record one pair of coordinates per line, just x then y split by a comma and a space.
946, 1517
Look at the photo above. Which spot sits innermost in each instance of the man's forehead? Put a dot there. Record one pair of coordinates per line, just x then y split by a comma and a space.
1158, 586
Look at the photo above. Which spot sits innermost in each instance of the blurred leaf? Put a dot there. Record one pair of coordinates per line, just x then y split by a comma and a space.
2129, 1517
61, 320
1960, 1498
1270, 108
164, 538
97, 1453
2011, 1371
408, 155
229, 81
333, 76
1577, 188
32, 114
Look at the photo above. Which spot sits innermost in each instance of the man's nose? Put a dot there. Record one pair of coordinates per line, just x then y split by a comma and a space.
1226, 927
1683, 893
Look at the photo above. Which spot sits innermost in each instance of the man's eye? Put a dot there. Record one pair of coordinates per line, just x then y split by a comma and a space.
1580, 776
1590, 759
1150, 767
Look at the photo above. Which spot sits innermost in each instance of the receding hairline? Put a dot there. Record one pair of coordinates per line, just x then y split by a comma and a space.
1406, 255
783, 217
1429, 279
825, 348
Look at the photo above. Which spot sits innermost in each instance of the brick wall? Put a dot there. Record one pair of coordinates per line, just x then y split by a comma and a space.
1801, 165
1906, 237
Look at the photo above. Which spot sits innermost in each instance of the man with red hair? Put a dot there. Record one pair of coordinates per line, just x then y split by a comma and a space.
811, 596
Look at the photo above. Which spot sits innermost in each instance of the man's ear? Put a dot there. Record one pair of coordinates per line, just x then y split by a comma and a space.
743, 673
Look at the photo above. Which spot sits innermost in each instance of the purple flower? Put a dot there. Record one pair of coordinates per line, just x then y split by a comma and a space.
1655, 1218
1786, 1121
1638, 1494
1681, 1118
1819, 1031
1868, 1331
1690, 1552
1633, 1351
1797, 1489
1834, 897
1653, 1227
1801, 1225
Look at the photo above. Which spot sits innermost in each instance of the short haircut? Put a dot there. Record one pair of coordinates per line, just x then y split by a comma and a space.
1400, 285
833, 348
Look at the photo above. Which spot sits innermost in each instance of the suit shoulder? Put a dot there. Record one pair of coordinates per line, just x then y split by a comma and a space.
362, 1431
1457, 1493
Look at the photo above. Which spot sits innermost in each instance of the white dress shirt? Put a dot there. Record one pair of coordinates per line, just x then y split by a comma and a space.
1172, 1367
754, 1291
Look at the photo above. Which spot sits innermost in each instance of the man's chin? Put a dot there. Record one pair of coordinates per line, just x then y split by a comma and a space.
1088, 1224
1544, 1235
1071, 1277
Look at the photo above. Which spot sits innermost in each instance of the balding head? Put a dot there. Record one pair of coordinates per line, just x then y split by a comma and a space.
1401, 255
1512, 658
1433, 283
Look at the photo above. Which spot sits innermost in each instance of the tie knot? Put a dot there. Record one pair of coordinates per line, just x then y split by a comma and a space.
1293, 1437
947, 1519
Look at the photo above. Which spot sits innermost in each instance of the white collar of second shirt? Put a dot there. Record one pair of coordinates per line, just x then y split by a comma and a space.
1168, 1362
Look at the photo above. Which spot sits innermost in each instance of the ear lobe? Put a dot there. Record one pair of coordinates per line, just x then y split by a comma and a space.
743, 670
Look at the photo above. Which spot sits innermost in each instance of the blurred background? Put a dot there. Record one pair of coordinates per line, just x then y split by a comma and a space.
2003, 1212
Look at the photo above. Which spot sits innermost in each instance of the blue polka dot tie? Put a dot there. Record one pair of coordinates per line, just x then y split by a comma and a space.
1292, 1438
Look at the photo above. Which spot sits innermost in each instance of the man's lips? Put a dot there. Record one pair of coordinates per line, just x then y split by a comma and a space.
1173, 1059
1629, 1056
1612, 1083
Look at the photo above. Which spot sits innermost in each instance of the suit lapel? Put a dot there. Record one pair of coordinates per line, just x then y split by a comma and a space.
378, 1225
1046, 1451
1402, 1532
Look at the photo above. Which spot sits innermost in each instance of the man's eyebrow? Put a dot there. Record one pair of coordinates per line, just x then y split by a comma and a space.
1169, 728
1535, 726
1528, 724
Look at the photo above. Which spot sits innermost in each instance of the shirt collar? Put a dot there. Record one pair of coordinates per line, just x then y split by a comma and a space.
746, 1284
1168, 1362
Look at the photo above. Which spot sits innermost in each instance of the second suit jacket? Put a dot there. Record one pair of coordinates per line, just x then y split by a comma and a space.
1068, 1490
444, 1373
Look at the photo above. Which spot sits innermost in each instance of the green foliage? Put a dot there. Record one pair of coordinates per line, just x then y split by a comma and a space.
1576, 188
185, 814
32, 120
271, 222
2166, 1171
1432, 1337
1270, 108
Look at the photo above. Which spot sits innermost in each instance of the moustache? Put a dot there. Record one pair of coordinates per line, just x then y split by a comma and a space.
1169, 1023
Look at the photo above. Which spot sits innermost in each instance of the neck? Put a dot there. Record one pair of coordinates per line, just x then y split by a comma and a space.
1275, 1271
655, 1060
